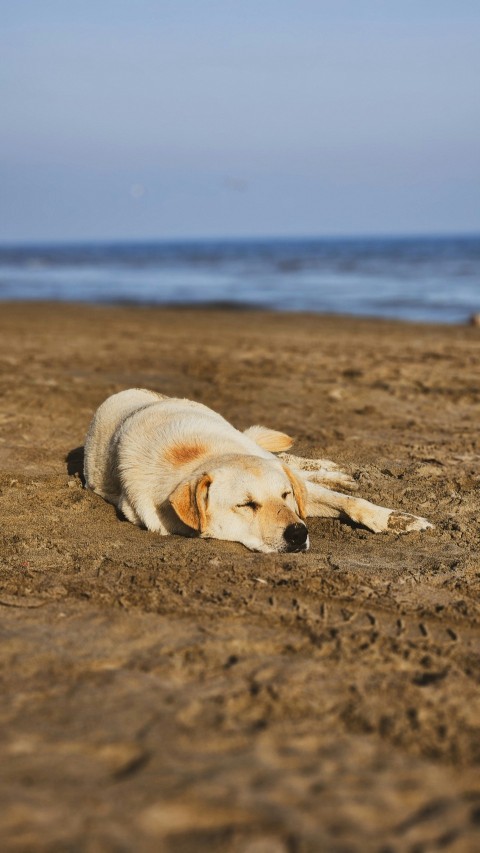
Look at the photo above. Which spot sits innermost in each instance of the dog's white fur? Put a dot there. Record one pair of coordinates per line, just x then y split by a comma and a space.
176, 466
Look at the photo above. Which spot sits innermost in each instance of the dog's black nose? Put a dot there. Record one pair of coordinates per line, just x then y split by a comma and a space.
295, 536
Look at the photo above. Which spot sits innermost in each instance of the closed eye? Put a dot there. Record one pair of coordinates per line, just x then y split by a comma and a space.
285, 495
251, 505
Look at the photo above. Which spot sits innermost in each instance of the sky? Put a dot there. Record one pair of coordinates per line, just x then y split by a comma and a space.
135, 119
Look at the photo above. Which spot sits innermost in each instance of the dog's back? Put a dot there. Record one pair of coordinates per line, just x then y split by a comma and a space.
100, 474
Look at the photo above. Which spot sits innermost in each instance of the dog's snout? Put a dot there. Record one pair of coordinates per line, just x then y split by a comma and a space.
295, 536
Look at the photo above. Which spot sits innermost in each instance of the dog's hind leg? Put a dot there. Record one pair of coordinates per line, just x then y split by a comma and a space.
127, 510
149, 517
321, 471
325, 503
143, 514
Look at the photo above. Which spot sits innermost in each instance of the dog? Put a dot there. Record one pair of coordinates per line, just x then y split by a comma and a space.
175, 466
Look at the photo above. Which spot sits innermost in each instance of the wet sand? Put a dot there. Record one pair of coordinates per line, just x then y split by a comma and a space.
190, 696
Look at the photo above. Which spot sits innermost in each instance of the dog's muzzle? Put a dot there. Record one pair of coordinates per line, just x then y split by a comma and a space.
296, 536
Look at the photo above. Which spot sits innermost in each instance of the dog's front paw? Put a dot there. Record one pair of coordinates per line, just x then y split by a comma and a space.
404, 522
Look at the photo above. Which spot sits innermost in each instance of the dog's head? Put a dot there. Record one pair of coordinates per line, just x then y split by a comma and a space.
258, 502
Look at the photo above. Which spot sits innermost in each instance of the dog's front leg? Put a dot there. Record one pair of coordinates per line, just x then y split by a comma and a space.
322, 502
321, 471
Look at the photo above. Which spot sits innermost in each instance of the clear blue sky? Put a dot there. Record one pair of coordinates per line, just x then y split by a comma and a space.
182, 118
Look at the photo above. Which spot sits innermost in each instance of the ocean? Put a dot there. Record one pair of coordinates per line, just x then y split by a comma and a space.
420, 279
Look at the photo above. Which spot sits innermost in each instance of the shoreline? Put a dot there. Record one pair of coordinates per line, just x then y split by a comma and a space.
228, 307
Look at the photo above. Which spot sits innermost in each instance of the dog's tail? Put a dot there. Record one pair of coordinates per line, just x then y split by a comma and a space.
269, 439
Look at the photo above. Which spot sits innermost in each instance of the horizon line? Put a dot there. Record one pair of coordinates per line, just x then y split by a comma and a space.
112, 241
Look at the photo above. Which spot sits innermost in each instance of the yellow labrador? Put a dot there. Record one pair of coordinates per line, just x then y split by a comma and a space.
176, 466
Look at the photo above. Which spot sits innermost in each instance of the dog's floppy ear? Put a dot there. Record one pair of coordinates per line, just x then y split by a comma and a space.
189, 501
269, 439
299, 492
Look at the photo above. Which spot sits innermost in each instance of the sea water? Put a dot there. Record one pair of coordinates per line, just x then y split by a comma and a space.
421, 279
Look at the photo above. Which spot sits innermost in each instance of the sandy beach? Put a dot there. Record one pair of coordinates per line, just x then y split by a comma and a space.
187, 696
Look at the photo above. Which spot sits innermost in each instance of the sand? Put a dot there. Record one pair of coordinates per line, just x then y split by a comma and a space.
182, 695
